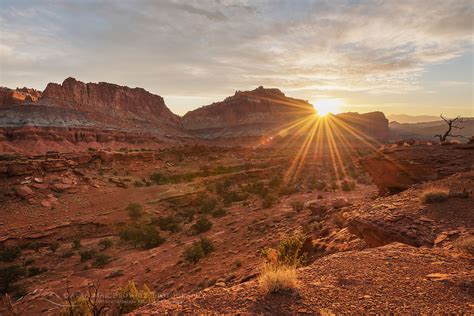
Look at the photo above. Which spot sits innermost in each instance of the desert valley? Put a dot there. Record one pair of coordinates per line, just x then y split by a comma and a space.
102, 185
236, 157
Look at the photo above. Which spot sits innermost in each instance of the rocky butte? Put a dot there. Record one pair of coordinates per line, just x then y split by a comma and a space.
75, 115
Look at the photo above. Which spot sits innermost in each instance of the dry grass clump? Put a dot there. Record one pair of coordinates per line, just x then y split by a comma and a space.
279, 270
434, 195
277, 279
465, 244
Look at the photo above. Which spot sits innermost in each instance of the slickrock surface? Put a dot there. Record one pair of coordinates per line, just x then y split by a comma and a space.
395, 278
396, 168
405, 218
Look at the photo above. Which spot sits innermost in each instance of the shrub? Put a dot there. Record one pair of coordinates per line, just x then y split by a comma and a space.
268, 201
134, 210
8, 276
434, 196
87, 254
130, 297
238, 263
202, 225
275, 182
168, 223
277, 279
198, 250
220, 212
465, 244
34, 246
258, 188
290, 250
145, 236
78, 306
297, 206
233, 196
9, 254
347, 185
158, 178
67, 254
76, 244
138, 183
33, 271
105, 244
101, 260
54, 246
206, 245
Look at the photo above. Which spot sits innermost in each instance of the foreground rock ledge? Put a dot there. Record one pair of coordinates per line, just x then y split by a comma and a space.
394, 278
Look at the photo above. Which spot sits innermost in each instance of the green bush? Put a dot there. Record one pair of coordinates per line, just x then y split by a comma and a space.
76, 244
168, 223
8, 276
141, 235
347, 185
202, 225
67, 254
434, 196
9, 254
54, 246
33, 271
158, 178
290, 250
198, 250
208, 204
268, 201
220, 212
35, 246
275, 182
234, 196
258, 188
105, 244
134, 210
102, 260
87, 254
138, 183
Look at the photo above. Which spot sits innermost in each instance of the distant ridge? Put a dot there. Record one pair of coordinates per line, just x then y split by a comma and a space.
405, 118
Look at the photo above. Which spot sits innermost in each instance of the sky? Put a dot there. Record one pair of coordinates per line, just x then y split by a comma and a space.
412, 57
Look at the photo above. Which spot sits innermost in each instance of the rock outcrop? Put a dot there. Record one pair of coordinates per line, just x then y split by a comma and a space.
371, 126
246, 113
110, 103
395, 279
75, 113
396, 168
18, 96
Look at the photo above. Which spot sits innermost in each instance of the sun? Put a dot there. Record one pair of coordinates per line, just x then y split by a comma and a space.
326, 106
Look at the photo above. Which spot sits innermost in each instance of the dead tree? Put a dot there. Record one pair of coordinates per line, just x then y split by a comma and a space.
453, 123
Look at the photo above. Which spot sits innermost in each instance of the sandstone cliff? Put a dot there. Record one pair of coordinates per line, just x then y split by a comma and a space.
248, 113
110, 103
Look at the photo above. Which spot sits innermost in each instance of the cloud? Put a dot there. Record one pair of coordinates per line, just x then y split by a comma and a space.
202, 48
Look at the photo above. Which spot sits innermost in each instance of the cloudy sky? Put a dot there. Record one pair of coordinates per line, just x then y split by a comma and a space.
413, 57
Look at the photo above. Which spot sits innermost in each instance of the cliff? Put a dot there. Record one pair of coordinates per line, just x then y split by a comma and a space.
110, 103
247, 113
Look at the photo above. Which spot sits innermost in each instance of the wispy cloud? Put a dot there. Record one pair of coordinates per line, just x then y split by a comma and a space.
197, 48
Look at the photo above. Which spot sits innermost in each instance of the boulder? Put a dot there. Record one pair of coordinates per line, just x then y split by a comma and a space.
24, 191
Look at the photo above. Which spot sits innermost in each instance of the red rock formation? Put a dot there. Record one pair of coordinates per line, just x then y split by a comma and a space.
18, 96
396, 169
110, 103
248, 113
371, 125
